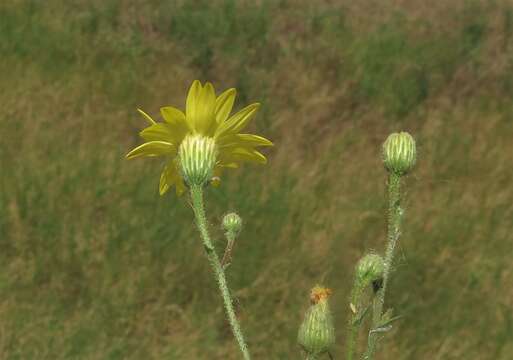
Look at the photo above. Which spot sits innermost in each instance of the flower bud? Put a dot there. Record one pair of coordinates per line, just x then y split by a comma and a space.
399, 153
316, 333
215, 181
369, 269
197, 159
232, 223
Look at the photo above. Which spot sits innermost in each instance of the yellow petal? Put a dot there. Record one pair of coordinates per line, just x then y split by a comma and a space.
165, 182
243, 140
177, 178
224, 105
242, 154
167, 178
232, 165
191, 103
152, 148
237, 122
158, 132
200, 107
147, 117
206, 121
176, 119
171, 176
180, 185
173, 116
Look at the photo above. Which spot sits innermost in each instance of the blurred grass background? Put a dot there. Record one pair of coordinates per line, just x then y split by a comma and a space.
95, 265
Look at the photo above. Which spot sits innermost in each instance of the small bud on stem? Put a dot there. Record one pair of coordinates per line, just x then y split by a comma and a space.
369, 270
232, 224
399, 153
316, 333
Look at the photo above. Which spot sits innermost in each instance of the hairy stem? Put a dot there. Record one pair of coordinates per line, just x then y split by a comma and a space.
351, 340
393, 232
201, 222
227, 256
354, 323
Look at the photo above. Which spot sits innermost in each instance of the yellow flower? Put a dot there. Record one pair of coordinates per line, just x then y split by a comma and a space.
206, 118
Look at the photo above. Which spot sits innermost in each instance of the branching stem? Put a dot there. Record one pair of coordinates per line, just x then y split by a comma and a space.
393, 233
201, 222
227, 256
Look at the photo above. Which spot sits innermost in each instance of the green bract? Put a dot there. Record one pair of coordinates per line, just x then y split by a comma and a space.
197, 156
232, 223
369, 268
317, 333
399, 153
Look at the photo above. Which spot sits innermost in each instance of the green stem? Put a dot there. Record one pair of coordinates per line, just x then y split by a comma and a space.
351, 341
372, 339
201, 222
227, 256
354, 324
393, 232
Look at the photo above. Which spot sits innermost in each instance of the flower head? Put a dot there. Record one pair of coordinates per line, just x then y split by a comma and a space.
201, 142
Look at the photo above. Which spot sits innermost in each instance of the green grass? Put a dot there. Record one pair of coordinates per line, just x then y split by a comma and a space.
95, 265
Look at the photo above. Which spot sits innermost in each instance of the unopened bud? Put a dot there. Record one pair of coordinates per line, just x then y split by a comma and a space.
316, 333
369, 269
399, 153
232, 223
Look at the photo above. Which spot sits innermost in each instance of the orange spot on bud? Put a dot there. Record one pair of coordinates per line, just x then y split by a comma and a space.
319, 294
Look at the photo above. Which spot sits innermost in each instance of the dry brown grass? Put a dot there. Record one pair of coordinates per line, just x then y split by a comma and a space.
96, 266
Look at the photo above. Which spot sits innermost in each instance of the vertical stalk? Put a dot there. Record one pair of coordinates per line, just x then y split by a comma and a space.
354, 324
201, 222
351, 341
372, 339
393, 232
227, 256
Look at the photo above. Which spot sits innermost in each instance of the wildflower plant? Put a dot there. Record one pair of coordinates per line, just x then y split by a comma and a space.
198, 145
373, 271
201, 142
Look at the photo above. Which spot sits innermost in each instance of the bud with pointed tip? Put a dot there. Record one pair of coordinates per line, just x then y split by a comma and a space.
316, 333
399, 153
197, 155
